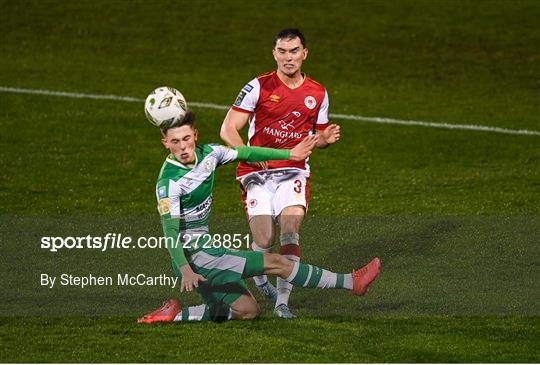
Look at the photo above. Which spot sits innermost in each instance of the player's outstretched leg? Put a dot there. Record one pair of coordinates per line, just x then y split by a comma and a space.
166, 313
172, 311
245, 307
309, 276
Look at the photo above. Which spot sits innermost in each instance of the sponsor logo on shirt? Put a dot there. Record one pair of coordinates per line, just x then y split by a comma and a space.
240, 97
199, 212
285, 125
162, 192
310, 102
274, 98
164, 206
248, 88
282, 134
289, 120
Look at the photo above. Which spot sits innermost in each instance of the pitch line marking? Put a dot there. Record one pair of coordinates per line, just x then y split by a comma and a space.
420, 123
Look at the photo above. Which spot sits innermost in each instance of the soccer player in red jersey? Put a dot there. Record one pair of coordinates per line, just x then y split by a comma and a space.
281, 107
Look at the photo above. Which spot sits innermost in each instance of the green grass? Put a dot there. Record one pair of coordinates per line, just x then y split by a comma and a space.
365, 339
454, 215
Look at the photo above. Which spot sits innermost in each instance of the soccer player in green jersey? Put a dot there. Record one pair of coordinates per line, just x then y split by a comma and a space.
184, 194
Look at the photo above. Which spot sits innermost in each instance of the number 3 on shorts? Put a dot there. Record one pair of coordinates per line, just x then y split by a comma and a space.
297, 186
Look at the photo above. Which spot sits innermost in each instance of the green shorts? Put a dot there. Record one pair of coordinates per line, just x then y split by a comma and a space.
224, 271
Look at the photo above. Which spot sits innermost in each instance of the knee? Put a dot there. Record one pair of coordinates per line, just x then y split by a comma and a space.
265, 240
250, 313
262, 228
291, 219
245, 307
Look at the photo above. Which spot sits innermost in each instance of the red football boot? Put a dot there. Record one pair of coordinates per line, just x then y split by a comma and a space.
364, 276
166, 313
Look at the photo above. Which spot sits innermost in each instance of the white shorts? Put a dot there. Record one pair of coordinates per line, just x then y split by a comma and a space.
268, 192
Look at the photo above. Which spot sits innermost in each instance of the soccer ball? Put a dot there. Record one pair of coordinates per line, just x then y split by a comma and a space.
165, 106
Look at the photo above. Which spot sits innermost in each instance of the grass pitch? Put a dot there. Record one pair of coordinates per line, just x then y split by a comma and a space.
453, 214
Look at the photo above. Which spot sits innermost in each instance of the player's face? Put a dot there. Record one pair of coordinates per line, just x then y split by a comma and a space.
181, 142
289, 55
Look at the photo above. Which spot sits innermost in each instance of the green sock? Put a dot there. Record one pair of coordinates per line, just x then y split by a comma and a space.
309, 276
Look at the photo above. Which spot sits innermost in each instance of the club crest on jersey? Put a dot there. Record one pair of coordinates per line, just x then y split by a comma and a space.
252, 203
310, 102
209, 165
274, 98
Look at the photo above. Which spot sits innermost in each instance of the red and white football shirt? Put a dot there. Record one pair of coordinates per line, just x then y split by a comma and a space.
280, 116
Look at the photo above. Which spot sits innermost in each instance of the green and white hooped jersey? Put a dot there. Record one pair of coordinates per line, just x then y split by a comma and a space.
186, 192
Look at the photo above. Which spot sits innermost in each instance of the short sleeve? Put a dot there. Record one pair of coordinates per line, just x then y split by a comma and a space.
162, 196
247, 99
168, 193
223, 154
322, 115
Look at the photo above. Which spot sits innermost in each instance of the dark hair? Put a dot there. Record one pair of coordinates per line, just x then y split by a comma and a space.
290, 33
188, 119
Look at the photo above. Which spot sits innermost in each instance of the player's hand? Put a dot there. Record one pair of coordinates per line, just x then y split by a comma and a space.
303, 149
261, 165
190, 279
331, 134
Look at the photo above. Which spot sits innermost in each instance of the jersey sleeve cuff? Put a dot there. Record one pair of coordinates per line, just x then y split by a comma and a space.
238, 109
321, 127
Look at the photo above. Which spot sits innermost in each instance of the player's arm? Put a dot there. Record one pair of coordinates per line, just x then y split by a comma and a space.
300, 152
328, 133
238, 116
190, 279
328, 136
171, 230
232, 124
257, 154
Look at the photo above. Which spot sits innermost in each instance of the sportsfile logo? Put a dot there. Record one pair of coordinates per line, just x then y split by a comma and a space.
121, 241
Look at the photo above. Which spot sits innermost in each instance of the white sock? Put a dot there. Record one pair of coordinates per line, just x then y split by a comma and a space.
262, 279
197, 313
193, 313
290, 249
347, 281
284, 289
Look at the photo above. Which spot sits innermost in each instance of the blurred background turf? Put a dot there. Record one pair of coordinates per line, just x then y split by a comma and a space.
453, 214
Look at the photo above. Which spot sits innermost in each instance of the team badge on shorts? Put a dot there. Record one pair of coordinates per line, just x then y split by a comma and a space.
252, 203
310, 102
